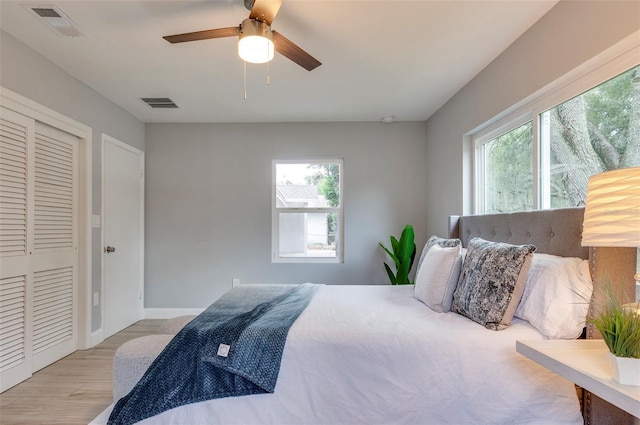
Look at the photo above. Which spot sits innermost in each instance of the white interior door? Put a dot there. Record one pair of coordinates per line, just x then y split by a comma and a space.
123, 234
16, 153
38, 246
55, 254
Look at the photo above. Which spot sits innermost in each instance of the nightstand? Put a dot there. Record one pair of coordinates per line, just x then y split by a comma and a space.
585, 363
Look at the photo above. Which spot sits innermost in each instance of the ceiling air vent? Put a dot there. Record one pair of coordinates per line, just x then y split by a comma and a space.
159, 102
56, 19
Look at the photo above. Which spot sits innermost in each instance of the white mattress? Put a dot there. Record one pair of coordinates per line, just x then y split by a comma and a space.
376, 355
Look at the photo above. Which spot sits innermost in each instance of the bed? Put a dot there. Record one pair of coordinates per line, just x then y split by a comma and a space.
377, 355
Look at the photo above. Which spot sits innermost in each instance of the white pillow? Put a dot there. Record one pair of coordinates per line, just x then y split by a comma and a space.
437, 277
554, 296
441, 242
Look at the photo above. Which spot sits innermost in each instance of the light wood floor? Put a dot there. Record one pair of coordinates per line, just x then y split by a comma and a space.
73, 390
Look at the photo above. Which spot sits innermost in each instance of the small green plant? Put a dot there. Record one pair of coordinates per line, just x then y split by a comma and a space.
619, 324
402, 253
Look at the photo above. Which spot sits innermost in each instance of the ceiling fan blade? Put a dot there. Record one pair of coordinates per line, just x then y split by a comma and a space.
203, 35
265, 10
288, 49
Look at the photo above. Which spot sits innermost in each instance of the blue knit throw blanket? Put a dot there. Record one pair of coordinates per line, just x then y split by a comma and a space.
233, 348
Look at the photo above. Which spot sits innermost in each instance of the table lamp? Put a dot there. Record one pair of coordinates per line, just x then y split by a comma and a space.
611, 223
612, 212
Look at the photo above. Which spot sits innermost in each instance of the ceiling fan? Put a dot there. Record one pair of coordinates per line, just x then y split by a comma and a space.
257, 41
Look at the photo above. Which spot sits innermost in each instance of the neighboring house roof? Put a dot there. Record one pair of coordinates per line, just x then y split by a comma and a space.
299, 195
298, 191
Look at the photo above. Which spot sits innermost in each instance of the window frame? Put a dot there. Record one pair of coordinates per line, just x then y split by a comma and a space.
603, 67
275, 214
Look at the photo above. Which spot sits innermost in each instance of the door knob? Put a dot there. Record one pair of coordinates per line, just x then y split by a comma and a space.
109, 249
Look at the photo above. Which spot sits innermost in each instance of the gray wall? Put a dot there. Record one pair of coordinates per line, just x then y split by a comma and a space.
567, 36
29, 74
208, 203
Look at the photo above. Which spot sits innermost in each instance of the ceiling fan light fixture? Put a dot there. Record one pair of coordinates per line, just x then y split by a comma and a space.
256, 42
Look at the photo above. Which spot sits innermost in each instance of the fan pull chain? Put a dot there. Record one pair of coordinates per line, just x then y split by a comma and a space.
244, 82
268, 67
269, 73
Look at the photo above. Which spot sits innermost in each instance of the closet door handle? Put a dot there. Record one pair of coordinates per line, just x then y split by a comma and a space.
109, 249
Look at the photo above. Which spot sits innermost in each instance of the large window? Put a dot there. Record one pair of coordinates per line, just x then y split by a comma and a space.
544, 158
307, 211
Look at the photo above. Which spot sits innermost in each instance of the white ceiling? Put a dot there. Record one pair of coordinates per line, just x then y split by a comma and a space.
379, 58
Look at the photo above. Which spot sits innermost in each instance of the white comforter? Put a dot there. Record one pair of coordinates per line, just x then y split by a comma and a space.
376, 355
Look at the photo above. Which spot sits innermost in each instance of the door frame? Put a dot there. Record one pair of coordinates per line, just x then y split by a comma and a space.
84, 133
108, 139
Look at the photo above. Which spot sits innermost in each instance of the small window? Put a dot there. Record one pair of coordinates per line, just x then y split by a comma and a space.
307, 211
508, 171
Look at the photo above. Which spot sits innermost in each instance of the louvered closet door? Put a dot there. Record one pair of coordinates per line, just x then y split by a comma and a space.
54, 257
16, 152
38, 256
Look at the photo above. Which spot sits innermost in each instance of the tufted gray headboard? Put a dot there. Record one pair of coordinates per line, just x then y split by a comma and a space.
557, 232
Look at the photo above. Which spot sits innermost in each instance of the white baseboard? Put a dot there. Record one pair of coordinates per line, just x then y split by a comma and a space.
168, 313
96, 338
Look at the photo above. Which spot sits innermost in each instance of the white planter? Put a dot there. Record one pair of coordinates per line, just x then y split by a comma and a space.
626, 370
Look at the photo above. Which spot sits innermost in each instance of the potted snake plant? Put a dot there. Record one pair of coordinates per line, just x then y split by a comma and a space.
402, 253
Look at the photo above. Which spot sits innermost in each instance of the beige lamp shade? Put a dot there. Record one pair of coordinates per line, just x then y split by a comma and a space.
612, 213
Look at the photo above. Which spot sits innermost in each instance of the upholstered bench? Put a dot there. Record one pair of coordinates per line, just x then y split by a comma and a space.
132, 359
174, 325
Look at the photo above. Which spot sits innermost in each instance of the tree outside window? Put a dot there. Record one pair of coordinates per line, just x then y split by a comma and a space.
596, 131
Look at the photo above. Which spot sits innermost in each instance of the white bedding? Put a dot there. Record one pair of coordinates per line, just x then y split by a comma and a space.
376, 355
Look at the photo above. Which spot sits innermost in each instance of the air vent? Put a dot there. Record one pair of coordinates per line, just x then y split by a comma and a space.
159, 102
46, 13
56, 19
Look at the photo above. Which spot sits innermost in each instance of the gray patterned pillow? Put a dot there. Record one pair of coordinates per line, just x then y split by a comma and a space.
442, 242
491, 282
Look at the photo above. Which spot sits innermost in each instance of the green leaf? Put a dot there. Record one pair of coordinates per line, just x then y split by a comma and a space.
406, 245
402, 275
392, 278
394, 244
391, 254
